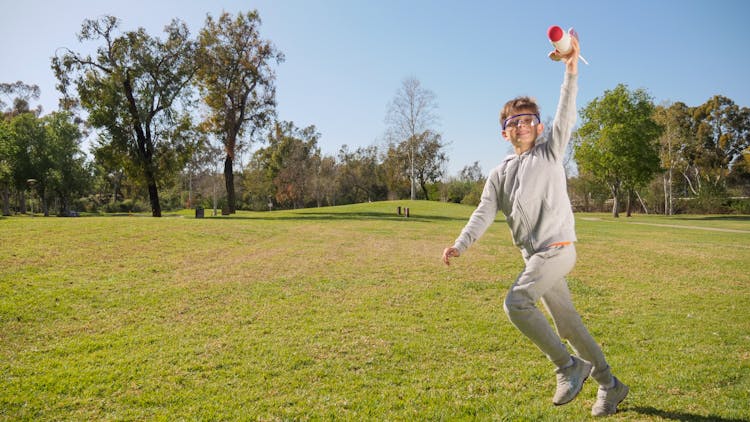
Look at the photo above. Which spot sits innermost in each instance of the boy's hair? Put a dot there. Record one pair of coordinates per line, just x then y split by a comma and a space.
517, 104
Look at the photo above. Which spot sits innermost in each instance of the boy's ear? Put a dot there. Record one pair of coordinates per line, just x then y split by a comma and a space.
539, 129
505, 136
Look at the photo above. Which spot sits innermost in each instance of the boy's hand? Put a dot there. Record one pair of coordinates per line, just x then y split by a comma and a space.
449, 253
571, 58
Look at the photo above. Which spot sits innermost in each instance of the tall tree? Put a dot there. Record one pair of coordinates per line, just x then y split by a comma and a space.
130, 89
739, 177
676, 119
722, 131
289, 161
420, 159
68, 173
617, 141
325, 183
236, 78
31, 158
429, 159
19, 95
410, 115
7, 162
258, 182
396, 171
48, 159
360, 174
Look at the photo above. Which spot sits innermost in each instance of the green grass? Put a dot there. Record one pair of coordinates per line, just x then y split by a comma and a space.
347, 313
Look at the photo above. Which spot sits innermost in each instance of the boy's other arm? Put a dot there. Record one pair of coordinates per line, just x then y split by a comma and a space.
482, 217
449, 253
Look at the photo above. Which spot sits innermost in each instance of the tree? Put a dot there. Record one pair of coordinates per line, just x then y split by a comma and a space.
410, 118
236, 77
130, 89
289, 161
395, 165
48, 159
466, 187
19, 93
420, 160
30, 160
429, 159
617, 141
722, 133
68, 173
258, 183
740, 174
676, 119
7, 162
360, 174
586, 193
200, 166
326, 185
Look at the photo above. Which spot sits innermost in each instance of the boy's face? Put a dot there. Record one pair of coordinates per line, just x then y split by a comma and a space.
523, 135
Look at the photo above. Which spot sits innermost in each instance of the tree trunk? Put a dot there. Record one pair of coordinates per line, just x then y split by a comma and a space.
669, 194
64, 207
424, 190
21, 201
229, 181
642, 202
6, 200
629, 204
145, 148
153, 195
413, 194
666, 194
615, 188
153, 192
45, 205
671, 203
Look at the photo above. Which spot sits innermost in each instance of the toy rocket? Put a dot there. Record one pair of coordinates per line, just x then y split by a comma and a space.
561, 41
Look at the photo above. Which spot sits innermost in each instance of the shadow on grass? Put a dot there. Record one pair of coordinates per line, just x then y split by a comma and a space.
679, 416
715, 218
332, 216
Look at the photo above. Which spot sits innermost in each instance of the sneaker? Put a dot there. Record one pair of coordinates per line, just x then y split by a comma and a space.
570, 381
608, 399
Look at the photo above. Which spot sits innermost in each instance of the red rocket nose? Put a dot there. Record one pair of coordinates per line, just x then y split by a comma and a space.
555, 33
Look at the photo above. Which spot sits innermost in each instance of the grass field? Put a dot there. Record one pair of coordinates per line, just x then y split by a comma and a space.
347, 313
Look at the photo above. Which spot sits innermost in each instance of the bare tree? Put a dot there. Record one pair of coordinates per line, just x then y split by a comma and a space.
410, 115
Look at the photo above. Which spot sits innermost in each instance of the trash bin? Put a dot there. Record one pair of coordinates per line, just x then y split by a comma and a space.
198, 212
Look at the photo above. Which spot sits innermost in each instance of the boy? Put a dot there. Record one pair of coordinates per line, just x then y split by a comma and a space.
529, 187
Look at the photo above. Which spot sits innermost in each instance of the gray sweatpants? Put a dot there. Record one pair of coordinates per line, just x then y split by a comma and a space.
544, 278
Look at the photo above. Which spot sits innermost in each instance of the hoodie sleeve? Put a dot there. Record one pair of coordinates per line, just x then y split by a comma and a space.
483, 216
565, 117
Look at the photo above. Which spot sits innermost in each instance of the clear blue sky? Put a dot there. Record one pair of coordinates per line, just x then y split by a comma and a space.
345, 60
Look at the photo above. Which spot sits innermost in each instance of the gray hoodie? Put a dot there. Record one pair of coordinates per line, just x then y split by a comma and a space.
530, 189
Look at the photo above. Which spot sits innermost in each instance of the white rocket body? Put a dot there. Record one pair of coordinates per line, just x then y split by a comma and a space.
559, 38
563, 45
